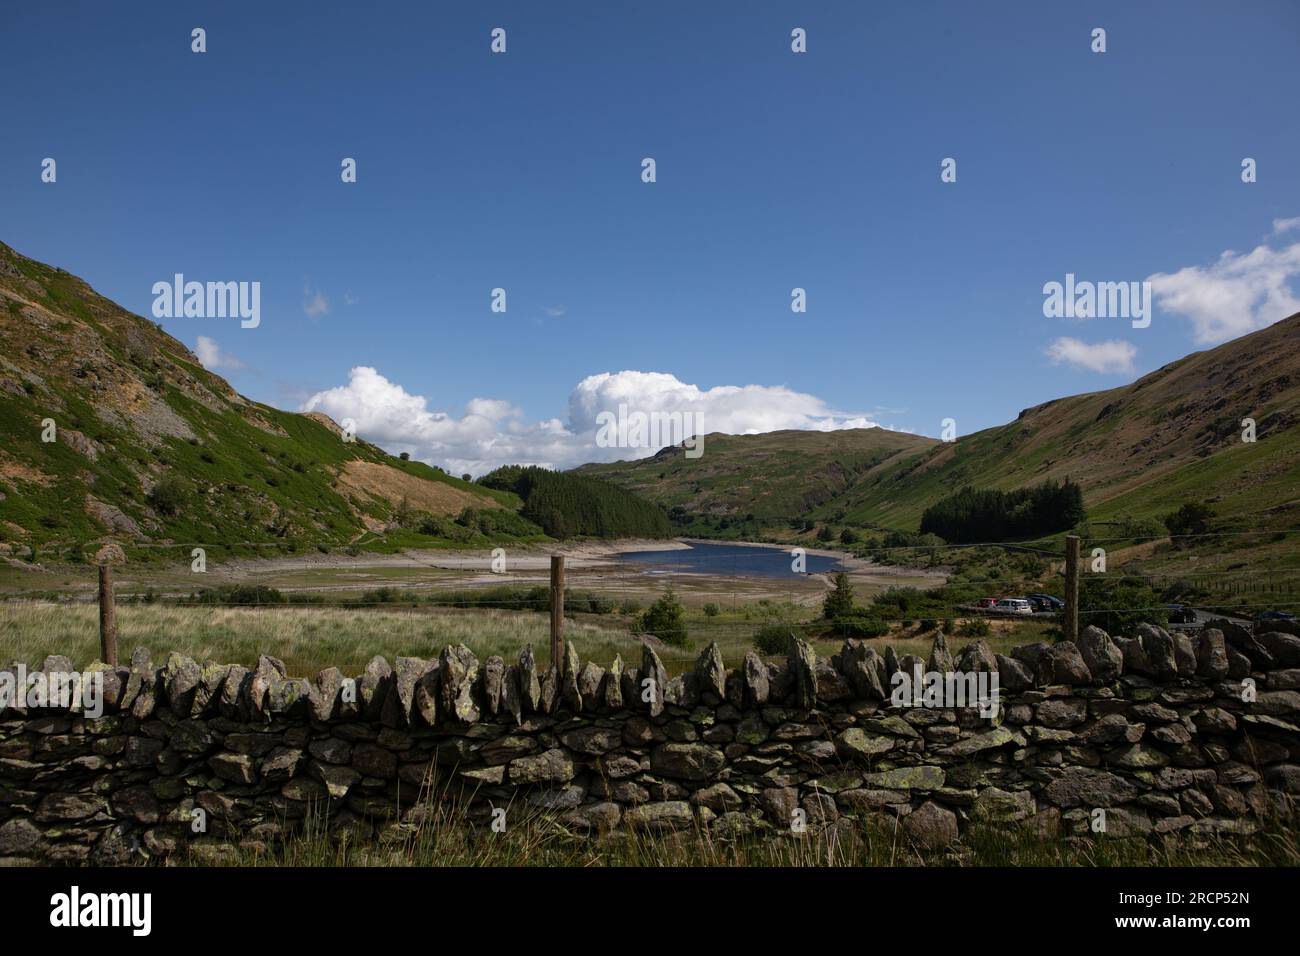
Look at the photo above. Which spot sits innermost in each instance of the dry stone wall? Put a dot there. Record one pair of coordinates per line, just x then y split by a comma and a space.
1164, 733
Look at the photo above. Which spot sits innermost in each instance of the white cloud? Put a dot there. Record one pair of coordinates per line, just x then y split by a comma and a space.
212, 358
1237, 294
733, 409
1111, 357
1285, 225
314, 302
557, 311
493, 432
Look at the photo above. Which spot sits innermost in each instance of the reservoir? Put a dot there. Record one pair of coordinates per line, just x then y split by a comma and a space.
752, 561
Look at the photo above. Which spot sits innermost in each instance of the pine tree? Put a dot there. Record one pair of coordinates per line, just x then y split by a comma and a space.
839, 601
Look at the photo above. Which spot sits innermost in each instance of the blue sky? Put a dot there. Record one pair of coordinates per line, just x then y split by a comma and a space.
775, 170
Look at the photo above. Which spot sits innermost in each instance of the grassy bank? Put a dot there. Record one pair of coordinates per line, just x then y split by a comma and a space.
441, 835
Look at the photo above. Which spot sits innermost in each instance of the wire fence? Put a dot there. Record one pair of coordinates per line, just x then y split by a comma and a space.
751, 577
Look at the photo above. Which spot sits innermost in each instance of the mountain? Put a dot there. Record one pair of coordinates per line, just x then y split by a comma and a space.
774, 476
1138, 451
151, 448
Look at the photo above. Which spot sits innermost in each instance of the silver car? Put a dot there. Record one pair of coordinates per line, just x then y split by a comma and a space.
1015, 606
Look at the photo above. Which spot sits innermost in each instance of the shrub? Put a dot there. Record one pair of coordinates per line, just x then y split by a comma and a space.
1191, 518
1184, 592
975, 627
665, 619
386, 595
859, 626
1116, 605
536, 598
712, 610
238, 594
899, 600
839, 602
772, 639
586, 602
168, 495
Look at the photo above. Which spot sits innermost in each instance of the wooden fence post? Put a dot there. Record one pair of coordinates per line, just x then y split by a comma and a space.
1071, 627
107, 621
557, 611
106, 557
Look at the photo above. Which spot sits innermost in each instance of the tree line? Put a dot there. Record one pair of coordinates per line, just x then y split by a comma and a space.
973, 515
567, 505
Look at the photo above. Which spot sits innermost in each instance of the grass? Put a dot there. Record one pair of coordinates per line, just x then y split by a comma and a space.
306, 639
440, 832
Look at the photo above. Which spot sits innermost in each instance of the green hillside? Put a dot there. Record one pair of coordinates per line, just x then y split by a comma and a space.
1138, 451
745, 482
150, 448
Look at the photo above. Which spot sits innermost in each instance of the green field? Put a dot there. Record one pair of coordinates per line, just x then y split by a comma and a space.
310, 638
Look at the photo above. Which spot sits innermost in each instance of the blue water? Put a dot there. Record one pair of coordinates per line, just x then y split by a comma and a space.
737, 560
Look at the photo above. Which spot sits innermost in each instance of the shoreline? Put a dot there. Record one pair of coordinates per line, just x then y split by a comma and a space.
592, 565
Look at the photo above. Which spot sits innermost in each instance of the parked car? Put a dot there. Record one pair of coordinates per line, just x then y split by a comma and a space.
986, 602
1181, 614
1045, 602
1274, 616
1015, 606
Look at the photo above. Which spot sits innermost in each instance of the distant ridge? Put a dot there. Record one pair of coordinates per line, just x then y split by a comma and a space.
1137, 450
